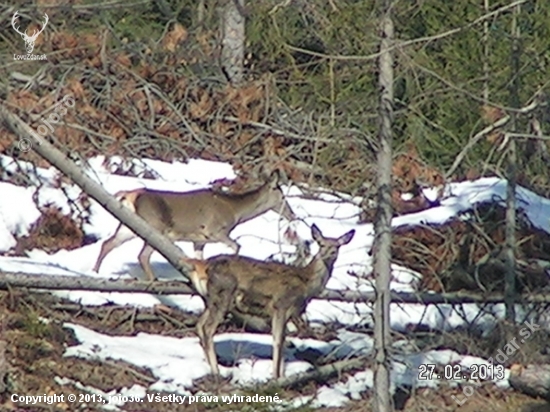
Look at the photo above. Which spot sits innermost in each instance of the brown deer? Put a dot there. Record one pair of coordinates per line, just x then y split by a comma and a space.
200, 216
266, 289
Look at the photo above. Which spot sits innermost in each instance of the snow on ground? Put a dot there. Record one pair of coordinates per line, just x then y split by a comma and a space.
260, 238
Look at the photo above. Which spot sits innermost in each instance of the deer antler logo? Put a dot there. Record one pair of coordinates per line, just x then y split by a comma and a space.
29, 40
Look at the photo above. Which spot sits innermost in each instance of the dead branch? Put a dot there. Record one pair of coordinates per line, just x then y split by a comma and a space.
150, 235
322, 373
10, 280
474, 140
489, 129
533, 380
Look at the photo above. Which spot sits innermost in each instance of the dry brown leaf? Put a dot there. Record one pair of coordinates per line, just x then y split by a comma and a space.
205, 41
91, 40
202, 107
250, 94
95, 61
491, 114
408, 169
76, 88
23, 99
472, 174
117, 133
124, 60
175, 36
256, 113
164, 128
244, 137
145, 70
180, 89
63, 41
495, 138
222, 129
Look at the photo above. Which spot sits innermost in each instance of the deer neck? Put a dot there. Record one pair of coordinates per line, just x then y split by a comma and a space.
320, 271
251, 205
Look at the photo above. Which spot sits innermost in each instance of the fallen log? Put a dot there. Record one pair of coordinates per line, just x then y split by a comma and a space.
532, 380
176, 287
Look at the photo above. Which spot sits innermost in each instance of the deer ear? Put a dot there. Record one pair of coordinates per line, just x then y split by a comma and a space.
346, 238
316, 233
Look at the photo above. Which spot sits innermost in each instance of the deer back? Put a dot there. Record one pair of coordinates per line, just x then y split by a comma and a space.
262, 286
193, 215
258, 285
256, 202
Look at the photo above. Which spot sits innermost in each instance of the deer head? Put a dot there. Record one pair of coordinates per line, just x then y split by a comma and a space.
29, 40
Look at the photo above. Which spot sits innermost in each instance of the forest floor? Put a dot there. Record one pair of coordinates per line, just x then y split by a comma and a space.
35, 351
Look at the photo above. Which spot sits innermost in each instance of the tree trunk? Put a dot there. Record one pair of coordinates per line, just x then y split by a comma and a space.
232, 56
382, 225
510, 249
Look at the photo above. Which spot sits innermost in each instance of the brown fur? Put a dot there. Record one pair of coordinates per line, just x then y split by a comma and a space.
199, 216
198, 276
267, 289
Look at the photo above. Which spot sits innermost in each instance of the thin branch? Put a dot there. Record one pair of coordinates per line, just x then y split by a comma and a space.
474, 140
530, 107
275, 130
426, 39
528, 136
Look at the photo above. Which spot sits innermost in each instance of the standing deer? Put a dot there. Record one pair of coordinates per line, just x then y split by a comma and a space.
200, 216
267, 289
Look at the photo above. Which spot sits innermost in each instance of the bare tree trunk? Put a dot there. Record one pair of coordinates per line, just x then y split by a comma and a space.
232, 56
165, 247
382, 225
540, 143
510, 277
486, 54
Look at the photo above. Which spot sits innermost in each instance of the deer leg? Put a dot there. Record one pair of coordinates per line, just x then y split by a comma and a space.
278, 329
299, 322
145, 261
231, 243
235, 246
199, 250
206, 327
218, 303
121, 235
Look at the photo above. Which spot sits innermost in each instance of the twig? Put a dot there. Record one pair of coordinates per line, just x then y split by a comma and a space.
134, 372
473, 141
276, 131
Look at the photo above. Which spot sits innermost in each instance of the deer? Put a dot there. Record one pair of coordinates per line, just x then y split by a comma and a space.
266, 289
200, 216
